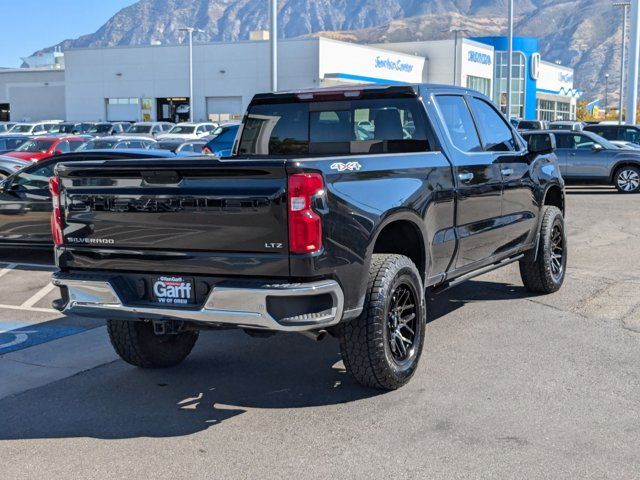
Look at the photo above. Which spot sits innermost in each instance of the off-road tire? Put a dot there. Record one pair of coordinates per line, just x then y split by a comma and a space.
538, 276
364, 341
137, 344
632, 179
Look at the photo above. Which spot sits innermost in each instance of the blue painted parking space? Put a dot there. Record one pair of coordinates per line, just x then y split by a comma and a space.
27, 335
26, 316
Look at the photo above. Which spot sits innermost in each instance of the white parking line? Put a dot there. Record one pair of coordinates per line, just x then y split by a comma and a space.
28, 309
32, 265
39, 295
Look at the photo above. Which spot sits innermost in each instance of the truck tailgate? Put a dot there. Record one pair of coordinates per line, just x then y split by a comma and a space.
185, 206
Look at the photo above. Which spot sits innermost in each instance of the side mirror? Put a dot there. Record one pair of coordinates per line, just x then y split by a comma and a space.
58, 152
597, 147
541, 143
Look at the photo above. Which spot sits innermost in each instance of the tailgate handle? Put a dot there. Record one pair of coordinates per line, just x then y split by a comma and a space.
161, 177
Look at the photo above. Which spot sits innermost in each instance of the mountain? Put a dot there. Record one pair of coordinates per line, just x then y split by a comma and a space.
584, 34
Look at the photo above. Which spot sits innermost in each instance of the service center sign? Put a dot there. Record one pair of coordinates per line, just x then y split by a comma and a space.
362, 62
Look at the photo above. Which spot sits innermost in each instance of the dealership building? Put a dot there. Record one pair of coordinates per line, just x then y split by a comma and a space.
152, 82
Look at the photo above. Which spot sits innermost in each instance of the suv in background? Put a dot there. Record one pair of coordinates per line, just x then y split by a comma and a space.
119, 142
188, 131
107, 129
36, 128
149, 129
626, 133
566, 125
525, 125
71, 128
586, 158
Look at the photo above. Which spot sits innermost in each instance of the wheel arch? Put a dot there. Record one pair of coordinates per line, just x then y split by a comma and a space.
401, 234
623, 163
554, 196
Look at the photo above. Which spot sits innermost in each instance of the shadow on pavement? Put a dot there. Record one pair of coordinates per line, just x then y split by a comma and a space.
227, 375
442, 304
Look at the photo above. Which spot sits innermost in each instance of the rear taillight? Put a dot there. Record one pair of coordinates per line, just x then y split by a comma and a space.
56, 215
305, 225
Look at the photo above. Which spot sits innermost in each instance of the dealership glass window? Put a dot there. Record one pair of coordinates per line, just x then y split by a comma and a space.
479, 84
517, 82
335, 128
551, 110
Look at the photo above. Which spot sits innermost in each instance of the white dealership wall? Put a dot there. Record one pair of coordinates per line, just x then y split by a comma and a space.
226, 75
440, 55
555, 84
33, 93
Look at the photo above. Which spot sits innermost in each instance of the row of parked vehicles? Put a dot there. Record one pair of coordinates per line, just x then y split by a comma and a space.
34, 142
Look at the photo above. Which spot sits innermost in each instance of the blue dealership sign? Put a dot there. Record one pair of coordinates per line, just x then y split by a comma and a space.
477, 57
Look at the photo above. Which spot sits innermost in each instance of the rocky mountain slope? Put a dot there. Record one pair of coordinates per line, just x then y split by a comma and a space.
582, 33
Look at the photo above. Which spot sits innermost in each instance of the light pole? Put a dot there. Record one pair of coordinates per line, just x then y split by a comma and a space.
606, 95
273, 40
190, 31
510, 59
456, 32
625, 10
634, 64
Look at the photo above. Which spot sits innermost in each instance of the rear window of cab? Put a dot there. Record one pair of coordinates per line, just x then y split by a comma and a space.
344, 127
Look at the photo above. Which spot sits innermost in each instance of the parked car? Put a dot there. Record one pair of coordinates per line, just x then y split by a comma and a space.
149, 129
6, 126
188, 131
70, 128
586, 158
566, 125
30, 129
10, 165
307, 229
626, 133
625, 145
9, 143
106, 129
39, 148
225, 135
180, 147
118, 142
25, 200
524, 125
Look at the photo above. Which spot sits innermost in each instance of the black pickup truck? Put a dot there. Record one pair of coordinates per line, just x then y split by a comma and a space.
337, 209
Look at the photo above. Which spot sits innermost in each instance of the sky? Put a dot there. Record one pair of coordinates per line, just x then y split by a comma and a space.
29, 25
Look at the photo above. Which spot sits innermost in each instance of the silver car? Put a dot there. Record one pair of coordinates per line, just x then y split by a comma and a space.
587, 158
148, 129
10, 165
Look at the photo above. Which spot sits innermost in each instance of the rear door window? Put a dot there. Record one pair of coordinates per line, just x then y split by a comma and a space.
342, 127
630, 134
565, 141
495, 134
457, 118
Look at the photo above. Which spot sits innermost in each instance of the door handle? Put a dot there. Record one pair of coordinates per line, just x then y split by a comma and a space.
465, 177
507, 171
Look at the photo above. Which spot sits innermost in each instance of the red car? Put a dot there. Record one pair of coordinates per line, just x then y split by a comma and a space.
39, 148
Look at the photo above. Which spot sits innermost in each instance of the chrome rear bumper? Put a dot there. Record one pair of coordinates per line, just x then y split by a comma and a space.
225, 305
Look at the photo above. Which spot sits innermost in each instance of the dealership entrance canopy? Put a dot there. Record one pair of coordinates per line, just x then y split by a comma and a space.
152, 82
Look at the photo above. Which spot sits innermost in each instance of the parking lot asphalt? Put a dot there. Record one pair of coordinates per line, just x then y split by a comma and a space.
510, 386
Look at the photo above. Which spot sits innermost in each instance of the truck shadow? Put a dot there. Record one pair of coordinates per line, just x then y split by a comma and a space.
229, 374
441, 304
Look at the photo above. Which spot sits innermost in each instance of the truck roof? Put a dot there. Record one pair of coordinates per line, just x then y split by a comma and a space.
409, 88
